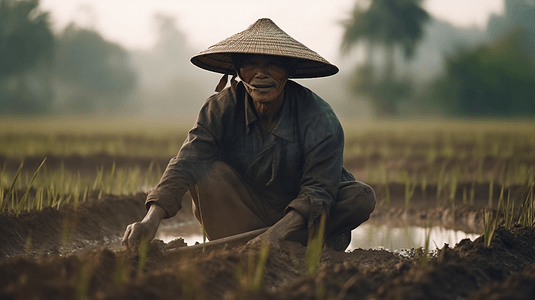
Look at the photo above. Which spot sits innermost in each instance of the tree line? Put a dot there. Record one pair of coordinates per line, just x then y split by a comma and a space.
78, 71
74, 71
494, 79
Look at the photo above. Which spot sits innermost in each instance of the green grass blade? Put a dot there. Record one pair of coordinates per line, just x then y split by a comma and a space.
28, 188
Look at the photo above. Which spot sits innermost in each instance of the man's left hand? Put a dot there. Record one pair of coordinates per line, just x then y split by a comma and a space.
290, 223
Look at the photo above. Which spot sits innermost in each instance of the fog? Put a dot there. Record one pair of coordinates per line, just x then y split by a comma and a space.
452, 71
170, 85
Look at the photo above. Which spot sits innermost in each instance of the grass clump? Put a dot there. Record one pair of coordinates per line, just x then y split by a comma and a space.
527, 212
55, 188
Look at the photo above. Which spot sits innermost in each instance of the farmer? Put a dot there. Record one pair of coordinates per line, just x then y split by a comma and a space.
265, 151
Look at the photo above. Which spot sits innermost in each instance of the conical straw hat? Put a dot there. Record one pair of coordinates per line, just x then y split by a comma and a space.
264, 37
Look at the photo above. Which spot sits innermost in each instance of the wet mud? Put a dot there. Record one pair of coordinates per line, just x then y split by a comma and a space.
75, 253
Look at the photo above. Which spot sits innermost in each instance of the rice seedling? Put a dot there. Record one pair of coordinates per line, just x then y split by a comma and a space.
82, 281
11, 190
491, 191
440, 180
489, 226
527, 212
410, 187
500, 198
143, 252
423, 253
24, 198
120, 275
453, 185
252, 279
315, 247
259, 270
54, 188
508, 211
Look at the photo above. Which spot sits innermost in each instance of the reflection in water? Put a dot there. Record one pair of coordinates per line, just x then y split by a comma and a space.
191, 233
190, 240
382, 237
365, 236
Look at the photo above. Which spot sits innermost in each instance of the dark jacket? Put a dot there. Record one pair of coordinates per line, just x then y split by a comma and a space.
300, 160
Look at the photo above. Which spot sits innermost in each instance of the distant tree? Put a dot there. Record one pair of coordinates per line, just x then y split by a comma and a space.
517, 13
26, 52
170, 81
92, 74
489, 81
386, 24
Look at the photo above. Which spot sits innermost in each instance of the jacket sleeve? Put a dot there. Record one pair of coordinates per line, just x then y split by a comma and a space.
323, 142
196, 156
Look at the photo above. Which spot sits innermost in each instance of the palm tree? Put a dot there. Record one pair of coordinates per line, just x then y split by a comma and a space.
388, 23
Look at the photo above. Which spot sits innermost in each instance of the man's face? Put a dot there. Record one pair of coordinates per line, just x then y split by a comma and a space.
266, 74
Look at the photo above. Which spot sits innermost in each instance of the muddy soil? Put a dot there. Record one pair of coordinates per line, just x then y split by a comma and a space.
75, 253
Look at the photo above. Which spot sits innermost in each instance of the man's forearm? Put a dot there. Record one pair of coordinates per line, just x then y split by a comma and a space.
147, 228
155, 214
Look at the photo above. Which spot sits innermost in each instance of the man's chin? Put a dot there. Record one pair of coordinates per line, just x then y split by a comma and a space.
264, 98
264, 90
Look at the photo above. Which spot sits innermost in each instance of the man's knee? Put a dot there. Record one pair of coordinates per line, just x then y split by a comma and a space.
359, 196
368, 198
353, 206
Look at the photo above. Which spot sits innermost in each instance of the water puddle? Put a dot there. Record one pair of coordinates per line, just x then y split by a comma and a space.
383, 237
365, 236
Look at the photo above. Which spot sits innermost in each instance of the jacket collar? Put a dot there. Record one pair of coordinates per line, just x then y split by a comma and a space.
285, 125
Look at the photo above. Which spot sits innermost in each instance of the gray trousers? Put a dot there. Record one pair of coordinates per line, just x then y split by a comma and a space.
227, 205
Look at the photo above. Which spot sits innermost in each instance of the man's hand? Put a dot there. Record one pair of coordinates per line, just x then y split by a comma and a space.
146, 229
290, 223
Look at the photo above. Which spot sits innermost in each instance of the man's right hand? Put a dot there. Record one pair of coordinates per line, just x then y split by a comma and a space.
146, 229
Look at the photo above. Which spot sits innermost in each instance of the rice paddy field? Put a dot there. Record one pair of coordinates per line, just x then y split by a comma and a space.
69, 187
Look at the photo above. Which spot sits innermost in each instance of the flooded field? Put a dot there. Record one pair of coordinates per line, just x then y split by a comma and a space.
454, 220
364, 237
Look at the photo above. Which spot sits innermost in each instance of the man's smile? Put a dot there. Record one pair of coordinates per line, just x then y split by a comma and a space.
263, 85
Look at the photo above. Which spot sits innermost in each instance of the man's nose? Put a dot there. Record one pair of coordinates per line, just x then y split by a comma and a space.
261, 71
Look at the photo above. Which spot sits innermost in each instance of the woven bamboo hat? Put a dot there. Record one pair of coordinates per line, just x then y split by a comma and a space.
264, 37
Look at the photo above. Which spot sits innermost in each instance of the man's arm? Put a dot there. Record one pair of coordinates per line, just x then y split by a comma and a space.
146, 229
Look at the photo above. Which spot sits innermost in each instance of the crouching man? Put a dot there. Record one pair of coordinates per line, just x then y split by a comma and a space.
265, 151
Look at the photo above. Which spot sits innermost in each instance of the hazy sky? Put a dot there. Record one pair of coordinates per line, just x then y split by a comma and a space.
315, 23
